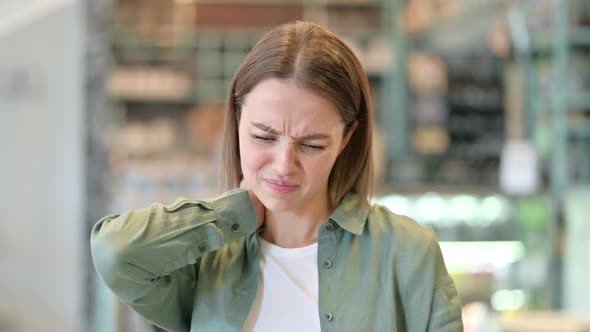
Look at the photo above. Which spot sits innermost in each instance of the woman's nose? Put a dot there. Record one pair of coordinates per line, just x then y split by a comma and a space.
285, 160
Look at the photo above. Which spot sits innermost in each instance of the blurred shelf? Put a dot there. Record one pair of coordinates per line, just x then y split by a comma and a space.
344, 31
580, 36
306, 3
249, 2
188, 39
579, 102
579, 129
447, 34
130, 51
579, 133
415, 189
189, 100
351, 4
542, 39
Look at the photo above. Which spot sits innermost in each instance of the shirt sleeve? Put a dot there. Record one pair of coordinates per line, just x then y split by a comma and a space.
430, 299
445, 313
446, 310
148, 257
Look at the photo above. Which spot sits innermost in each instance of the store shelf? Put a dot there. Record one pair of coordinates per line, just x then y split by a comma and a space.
189, 100
250, 2
448, 33
579, 102
361, 34
188, 39
350, 4
579, 129
543, 38
580, 36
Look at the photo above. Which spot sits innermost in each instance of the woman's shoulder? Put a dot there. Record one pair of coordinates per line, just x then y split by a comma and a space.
400, 229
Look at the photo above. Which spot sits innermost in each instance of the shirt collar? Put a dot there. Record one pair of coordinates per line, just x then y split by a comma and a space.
351, 214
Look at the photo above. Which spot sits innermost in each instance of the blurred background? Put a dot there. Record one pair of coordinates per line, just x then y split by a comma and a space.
482, 115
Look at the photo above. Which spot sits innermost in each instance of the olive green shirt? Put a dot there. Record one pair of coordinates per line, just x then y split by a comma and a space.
194, 266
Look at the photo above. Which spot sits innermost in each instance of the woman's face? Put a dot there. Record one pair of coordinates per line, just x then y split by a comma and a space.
289, 141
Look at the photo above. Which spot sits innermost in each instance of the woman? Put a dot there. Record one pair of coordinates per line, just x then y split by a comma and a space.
300, 249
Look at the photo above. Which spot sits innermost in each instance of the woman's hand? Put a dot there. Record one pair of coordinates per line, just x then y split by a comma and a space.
258, 207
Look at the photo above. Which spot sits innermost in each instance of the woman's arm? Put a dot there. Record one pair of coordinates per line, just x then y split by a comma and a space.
431, 301
445, 311
147, 257
445, 315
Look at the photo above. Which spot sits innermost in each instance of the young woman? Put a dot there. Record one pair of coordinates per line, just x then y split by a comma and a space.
298, 247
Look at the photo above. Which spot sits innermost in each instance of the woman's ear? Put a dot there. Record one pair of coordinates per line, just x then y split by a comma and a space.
348, 136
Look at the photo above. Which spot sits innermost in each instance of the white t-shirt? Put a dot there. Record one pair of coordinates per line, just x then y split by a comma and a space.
287, 296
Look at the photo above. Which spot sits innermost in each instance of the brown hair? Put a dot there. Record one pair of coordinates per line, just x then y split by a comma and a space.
316, 59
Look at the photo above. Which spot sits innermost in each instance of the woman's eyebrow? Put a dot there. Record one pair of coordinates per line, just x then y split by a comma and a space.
273, 131
265, 128
314, 136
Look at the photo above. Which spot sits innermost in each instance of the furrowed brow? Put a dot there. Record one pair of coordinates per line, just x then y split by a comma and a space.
265, 128
314, 137
273, 131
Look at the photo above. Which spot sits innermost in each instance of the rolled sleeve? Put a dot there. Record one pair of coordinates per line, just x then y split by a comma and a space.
235, 214
446, 310
148, 257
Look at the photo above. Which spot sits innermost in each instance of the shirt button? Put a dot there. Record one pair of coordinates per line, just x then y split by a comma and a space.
329, 226
328, 317
235, 228
202, 247
327, 263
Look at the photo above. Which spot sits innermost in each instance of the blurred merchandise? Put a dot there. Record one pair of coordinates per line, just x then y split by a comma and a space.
246, 14
519, 168
162, 21
149, 82
544, 322
478, 317
456, 118
378, 56
430, 140
577, 252
427, 74
418, 15
205, 129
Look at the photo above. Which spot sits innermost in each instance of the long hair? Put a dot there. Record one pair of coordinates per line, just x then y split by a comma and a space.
318, 60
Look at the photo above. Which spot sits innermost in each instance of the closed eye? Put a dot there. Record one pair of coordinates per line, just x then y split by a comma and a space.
263, 138
268, 140
314, 147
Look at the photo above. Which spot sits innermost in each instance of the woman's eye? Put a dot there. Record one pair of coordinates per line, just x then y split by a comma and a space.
263, 138
313, 147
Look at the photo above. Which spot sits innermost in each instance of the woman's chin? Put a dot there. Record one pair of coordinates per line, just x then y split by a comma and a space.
278, 205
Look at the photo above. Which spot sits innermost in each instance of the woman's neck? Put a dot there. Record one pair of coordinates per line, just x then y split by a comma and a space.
296, 229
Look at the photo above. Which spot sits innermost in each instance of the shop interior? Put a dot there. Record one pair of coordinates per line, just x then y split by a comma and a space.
482, 119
